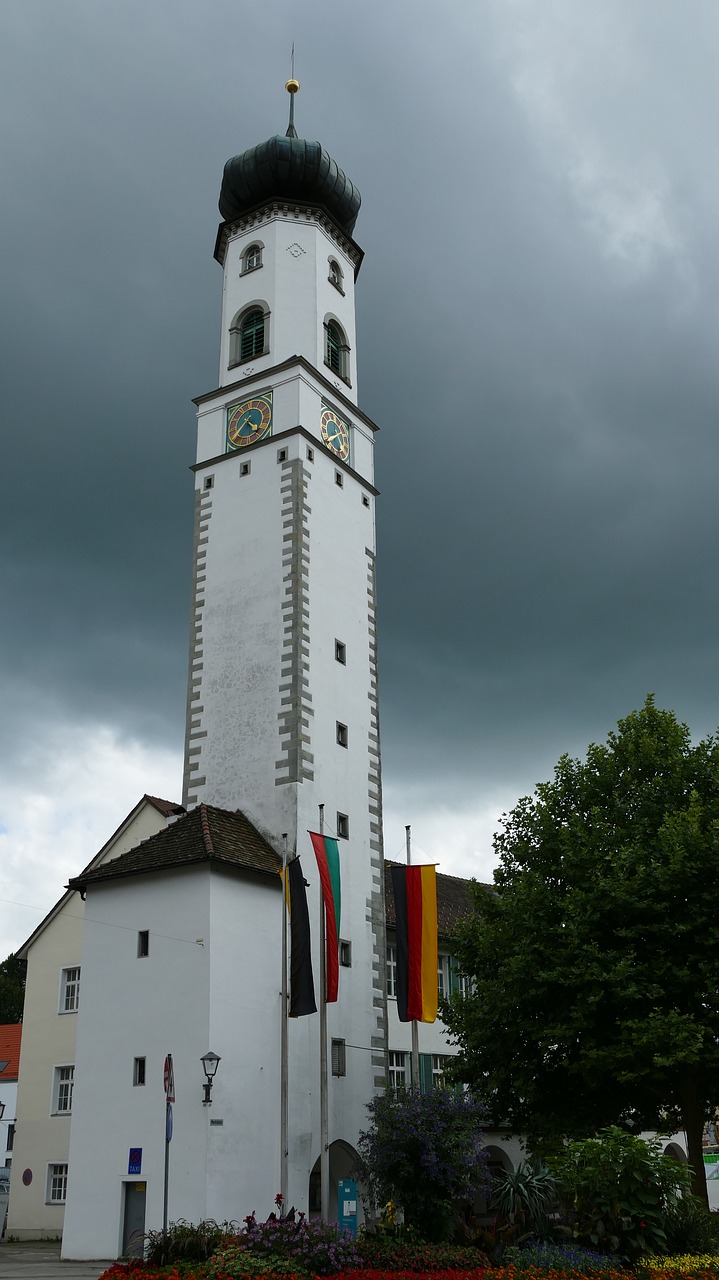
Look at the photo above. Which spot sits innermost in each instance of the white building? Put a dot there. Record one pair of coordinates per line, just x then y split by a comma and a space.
47, 1061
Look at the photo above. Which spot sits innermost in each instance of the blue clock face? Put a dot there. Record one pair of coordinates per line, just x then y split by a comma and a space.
249, 421
335, 432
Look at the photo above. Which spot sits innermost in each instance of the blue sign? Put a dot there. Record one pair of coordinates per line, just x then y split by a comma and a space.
347, 1205
134, 1161
168, 1127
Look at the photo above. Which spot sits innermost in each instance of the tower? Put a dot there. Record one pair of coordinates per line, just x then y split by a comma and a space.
282, 696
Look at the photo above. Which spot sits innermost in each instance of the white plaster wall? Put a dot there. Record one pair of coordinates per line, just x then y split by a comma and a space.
184, 998
48, 1039
293, 284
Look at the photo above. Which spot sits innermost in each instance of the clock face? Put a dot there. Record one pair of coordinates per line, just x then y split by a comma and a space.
249, 421
335, 432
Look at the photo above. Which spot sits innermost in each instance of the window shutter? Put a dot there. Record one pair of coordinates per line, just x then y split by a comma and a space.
425, 1072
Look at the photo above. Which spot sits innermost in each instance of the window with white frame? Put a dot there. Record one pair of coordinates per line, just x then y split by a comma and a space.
442, 974
56, 1184
438, 1061
392, 972
63, 1083
252, 258
70, 990
464, 984
335, 276
397, 1069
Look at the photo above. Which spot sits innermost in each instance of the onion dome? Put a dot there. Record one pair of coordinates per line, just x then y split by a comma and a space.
285, 169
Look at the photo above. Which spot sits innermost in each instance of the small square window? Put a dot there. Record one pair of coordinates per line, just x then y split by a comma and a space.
342, 735
56, 1184
339, 1058
245, 468
341, 652
143, 942
343, 826
281, 455
339, 479
138, 1071
345, 954
310, 454
209, 482
365, 500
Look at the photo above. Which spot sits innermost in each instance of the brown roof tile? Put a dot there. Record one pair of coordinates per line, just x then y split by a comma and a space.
168, 807
205, 834
454, 901
10, 1037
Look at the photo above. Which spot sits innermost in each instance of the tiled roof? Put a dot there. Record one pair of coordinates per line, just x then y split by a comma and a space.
453, 901
205, 834
168, 807
10, 1037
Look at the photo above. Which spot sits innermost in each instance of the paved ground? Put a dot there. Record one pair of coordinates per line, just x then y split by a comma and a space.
40, 1260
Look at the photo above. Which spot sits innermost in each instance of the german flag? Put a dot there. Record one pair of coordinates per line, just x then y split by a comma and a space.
415, 900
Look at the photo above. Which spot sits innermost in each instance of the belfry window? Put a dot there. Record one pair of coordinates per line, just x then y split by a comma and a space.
249, 335
252, 335
333, 353
335, 275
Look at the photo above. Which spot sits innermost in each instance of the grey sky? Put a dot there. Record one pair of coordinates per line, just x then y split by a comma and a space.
536, 336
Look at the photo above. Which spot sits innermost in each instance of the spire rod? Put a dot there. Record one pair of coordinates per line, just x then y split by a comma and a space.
292, 88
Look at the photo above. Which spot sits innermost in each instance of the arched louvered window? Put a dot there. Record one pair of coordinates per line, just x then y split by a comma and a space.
333, 354
335, 275
252, 335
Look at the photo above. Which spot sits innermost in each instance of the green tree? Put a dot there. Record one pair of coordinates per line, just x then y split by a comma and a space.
12, 989
424, 1151
596, 959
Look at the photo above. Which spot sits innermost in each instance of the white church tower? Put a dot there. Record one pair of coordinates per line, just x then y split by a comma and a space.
282, 698
184, 940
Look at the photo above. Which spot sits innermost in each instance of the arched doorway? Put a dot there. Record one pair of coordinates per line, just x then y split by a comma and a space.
343, 1164
497, 1162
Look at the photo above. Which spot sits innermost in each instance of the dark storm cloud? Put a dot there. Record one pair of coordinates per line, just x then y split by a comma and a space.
537, 346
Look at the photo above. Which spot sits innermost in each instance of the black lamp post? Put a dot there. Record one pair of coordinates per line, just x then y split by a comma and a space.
210, 1062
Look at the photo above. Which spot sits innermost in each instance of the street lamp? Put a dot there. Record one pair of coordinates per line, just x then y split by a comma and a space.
210, 1062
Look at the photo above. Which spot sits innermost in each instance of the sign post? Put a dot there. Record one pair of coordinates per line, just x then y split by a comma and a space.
169, 1081
347, 1205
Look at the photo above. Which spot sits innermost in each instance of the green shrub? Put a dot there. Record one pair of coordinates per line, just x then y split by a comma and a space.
690, 1228
387, 1253
188, 1243
616, 1191
525, 1196
234, 1262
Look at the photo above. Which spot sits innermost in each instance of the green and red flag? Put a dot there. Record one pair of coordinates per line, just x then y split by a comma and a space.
302, 983
328, 861
415, 900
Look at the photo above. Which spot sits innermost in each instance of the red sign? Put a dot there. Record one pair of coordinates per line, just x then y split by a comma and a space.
169, 1079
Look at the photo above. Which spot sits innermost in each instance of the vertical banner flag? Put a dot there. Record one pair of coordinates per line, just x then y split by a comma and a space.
328, 860
415, 900
302, 983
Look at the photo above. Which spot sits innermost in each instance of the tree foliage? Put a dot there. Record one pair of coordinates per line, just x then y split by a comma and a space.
12, 989
596, 960
424, 1150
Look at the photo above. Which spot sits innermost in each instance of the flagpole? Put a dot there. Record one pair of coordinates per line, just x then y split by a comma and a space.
415, 1032
324, 1084
284, 1048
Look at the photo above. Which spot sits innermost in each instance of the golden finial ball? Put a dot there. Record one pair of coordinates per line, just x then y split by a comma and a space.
292, 86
